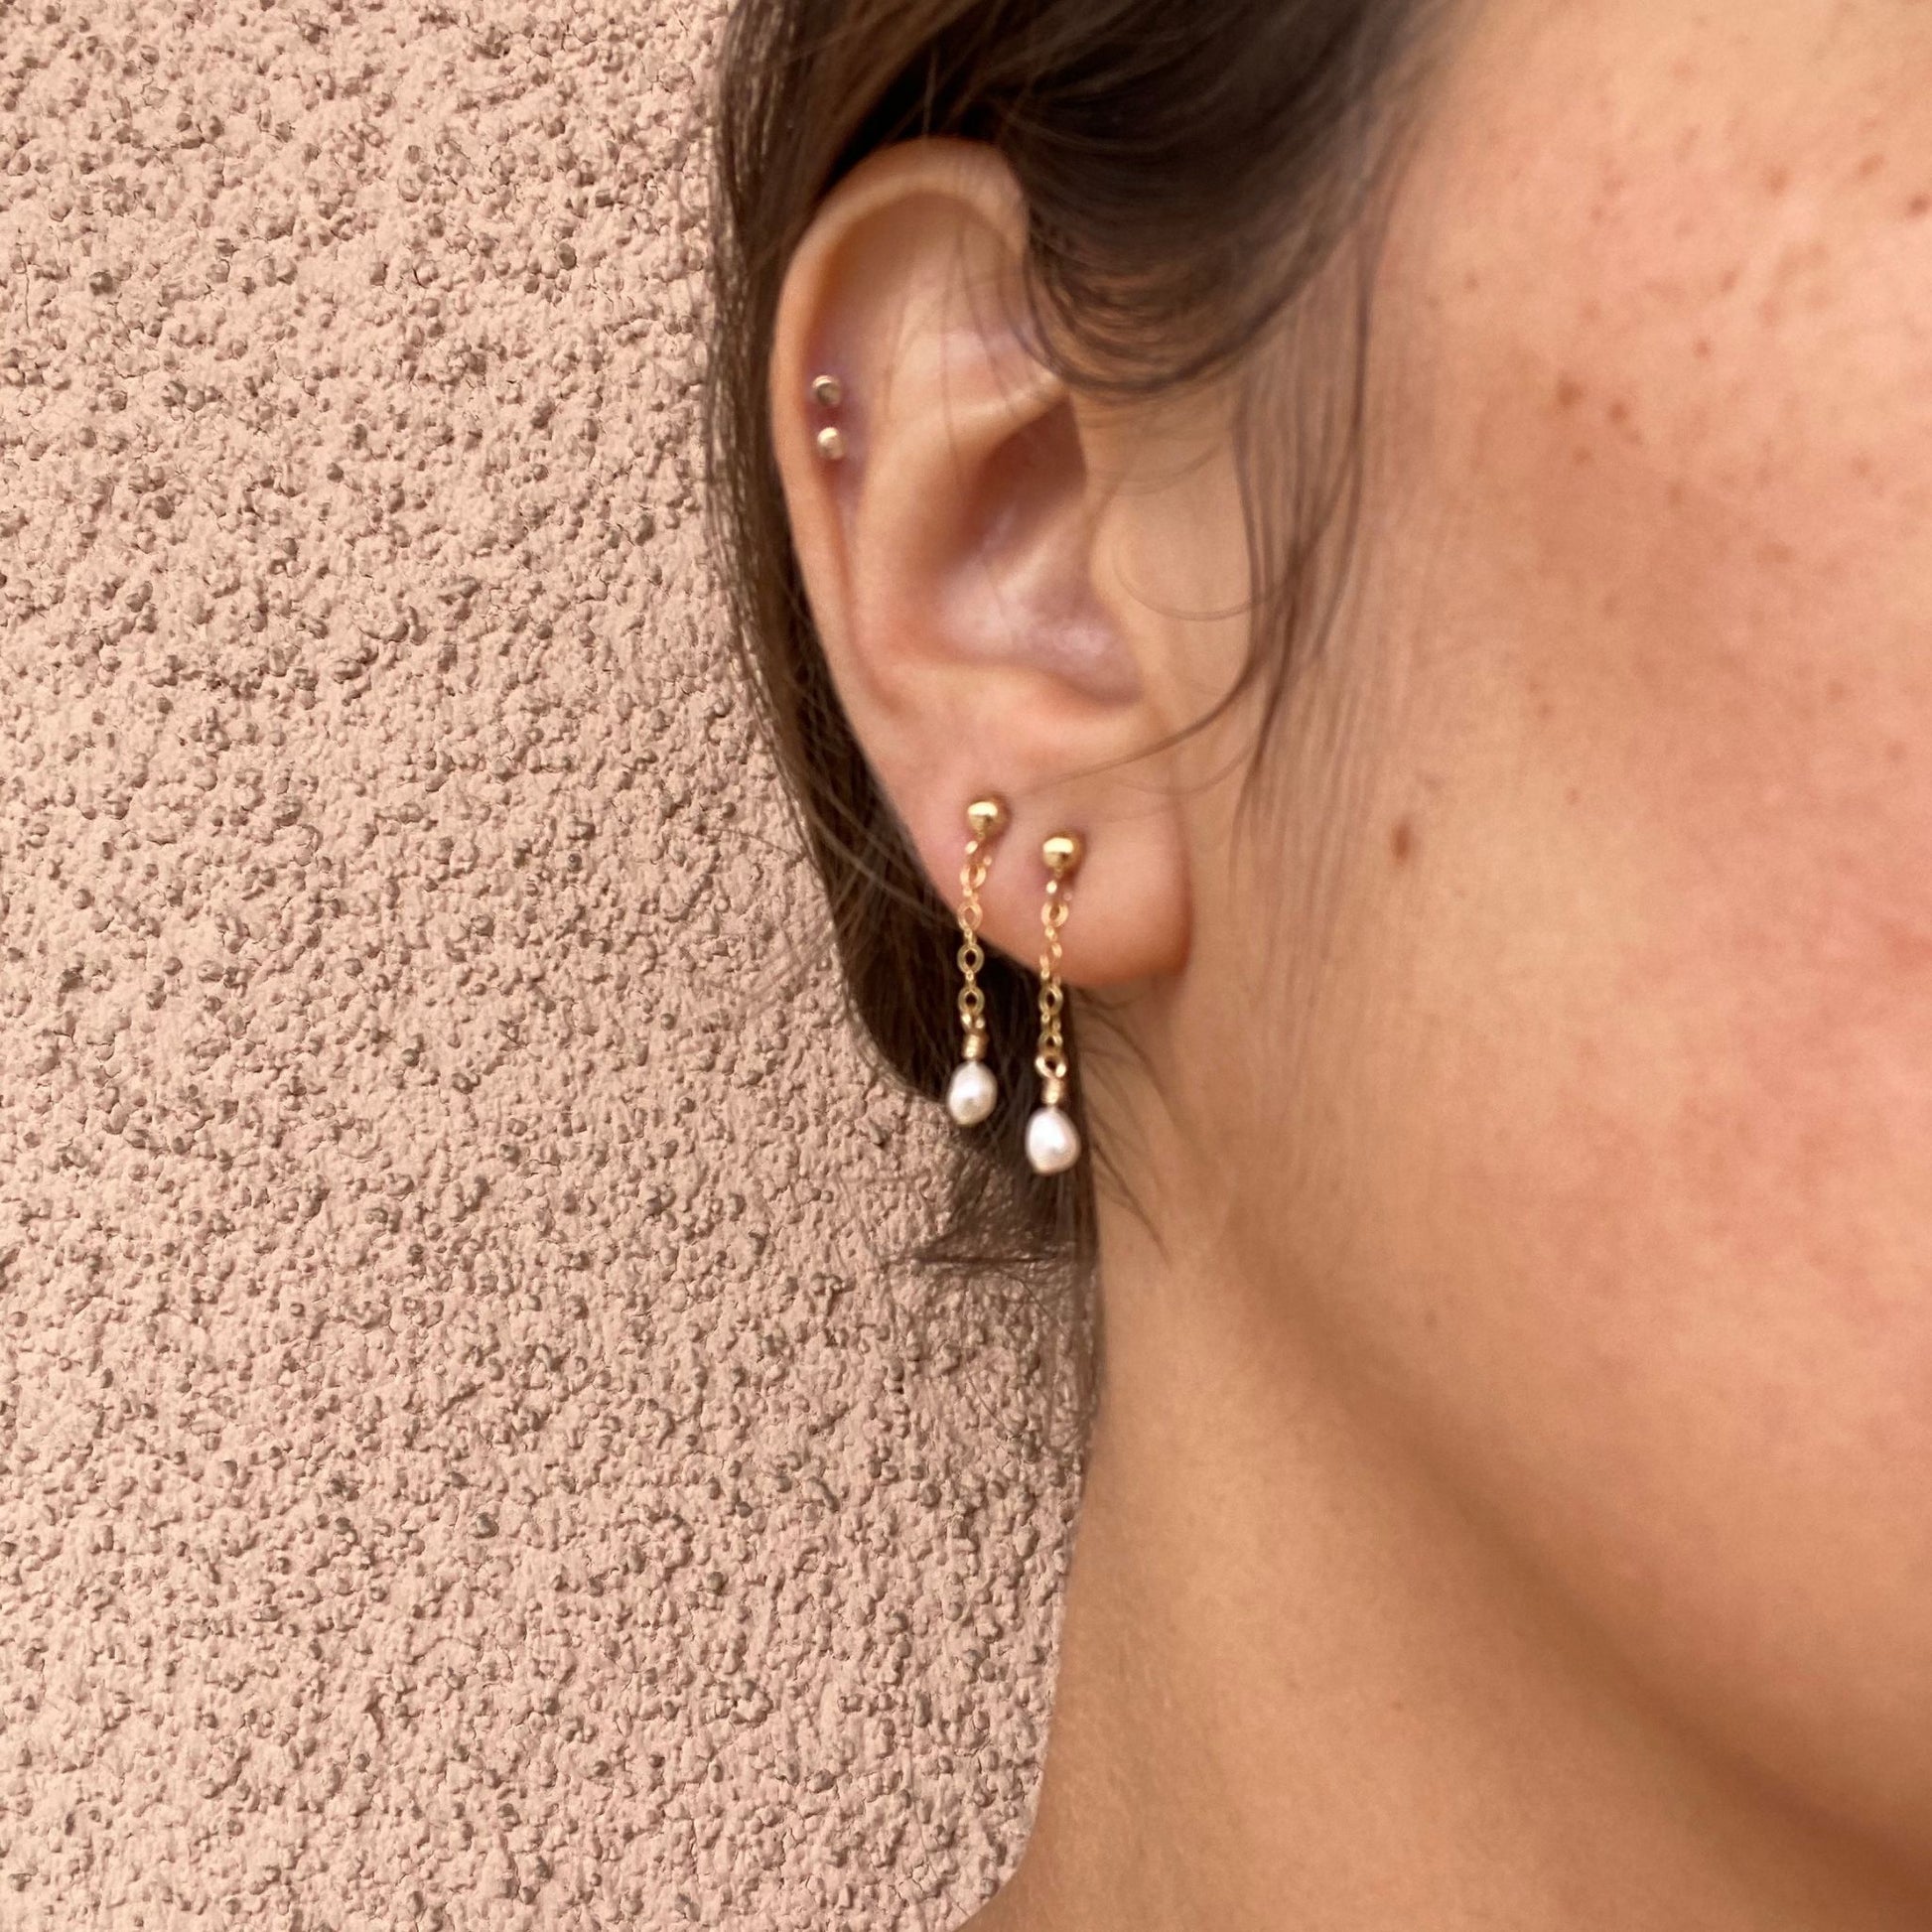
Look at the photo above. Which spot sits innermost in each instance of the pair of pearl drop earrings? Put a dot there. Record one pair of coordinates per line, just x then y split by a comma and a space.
1053, 1140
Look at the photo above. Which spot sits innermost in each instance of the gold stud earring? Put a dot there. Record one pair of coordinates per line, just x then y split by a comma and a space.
828, 393
973, 1092
1053, 1140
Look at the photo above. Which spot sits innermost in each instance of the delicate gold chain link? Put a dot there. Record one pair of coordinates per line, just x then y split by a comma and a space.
1050, 1061
972, 955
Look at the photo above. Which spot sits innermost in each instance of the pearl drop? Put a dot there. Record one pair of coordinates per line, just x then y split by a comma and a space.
1052, 1141
973, 1092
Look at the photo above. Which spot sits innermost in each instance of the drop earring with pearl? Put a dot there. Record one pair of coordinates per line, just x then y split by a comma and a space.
973, 1092
1053, 1140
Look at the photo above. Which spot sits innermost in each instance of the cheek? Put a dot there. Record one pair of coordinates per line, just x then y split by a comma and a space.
1675, 547
1647, 1237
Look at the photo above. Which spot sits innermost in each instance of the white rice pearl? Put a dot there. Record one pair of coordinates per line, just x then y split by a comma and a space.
1052, 1141
973, 1092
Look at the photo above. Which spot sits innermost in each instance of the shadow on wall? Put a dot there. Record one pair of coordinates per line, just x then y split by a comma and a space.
462, 1460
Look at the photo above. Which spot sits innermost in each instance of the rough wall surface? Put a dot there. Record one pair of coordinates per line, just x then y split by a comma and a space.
465, 1456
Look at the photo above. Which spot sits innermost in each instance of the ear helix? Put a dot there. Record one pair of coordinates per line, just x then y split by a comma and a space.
1053, 1140
973, 1091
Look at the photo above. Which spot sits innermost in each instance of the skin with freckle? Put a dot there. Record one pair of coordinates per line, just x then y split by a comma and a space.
1622, 1052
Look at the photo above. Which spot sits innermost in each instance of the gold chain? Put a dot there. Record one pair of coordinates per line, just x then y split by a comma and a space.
972, 955
1050, 1061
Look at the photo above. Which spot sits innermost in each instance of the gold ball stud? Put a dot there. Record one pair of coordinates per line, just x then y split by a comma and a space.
831, 443
986, 816
1062, 854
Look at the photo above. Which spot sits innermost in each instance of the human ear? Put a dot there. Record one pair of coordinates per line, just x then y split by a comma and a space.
950, 538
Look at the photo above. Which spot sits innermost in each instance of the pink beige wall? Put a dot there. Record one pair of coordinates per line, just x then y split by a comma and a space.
464, 1460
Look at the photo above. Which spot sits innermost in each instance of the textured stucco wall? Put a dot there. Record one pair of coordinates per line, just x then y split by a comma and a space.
464, 1459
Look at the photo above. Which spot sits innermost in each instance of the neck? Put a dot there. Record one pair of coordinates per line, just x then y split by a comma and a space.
1301, 1688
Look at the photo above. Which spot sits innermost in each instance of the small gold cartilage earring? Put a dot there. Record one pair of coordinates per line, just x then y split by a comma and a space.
1053, 1140
828, 393
973, 1092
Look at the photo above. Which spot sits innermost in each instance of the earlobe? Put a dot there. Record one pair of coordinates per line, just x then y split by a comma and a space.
946, 510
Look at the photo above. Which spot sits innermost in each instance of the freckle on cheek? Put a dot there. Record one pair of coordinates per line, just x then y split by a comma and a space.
1402, 842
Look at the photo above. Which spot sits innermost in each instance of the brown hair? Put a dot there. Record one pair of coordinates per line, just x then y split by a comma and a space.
1187, 166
